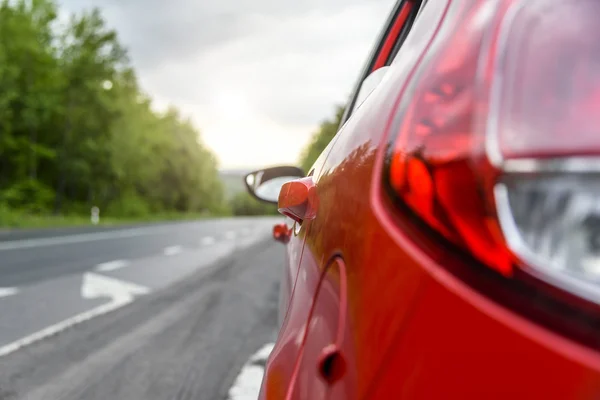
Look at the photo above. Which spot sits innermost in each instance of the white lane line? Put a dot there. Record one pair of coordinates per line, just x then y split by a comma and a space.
61, 326
81, 238
173, 250
93, 286
101, 361
8, 291
112, 265
206, 241
247, 384
230, 235
263, 353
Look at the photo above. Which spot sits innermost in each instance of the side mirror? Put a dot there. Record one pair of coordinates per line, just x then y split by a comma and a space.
265, 184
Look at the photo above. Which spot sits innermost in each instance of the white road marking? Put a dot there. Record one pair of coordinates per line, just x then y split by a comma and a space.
173, 250
69, 383
247, 384
8, 291
94, 286
206, 241
263, 353
112, 265
81, 238
230, 235
245, 231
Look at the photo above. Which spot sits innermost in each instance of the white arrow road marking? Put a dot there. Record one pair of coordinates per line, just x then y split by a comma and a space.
112, 265
247, 384
172, 250
8, 291
230, 235
205, 241
94, 286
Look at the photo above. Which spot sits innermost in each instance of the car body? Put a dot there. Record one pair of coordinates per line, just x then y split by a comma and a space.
378, 299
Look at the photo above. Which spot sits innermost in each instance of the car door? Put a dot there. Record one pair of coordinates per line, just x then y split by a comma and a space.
304, 272
298, 287
330, 365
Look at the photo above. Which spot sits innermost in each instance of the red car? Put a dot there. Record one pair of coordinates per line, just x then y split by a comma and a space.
446, 244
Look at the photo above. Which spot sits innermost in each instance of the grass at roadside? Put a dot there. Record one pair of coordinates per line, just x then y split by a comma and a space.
242, 204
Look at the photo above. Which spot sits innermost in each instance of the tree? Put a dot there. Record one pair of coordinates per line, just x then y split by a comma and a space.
321, 139
76, 129
244, 204
90, 56
28, 79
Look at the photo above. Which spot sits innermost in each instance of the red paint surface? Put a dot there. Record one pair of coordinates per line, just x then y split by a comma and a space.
390, 40
406, 327
282, 233
298, 199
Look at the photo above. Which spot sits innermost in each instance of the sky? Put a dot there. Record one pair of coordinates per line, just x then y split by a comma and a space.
256, 77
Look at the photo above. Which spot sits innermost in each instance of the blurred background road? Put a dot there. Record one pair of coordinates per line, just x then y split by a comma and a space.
144, 115
164, 311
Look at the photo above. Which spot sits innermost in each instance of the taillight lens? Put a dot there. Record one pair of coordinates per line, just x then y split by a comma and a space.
497, 134
547, 80
553, 224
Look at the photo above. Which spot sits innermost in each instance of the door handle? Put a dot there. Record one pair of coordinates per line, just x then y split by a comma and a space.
298, 199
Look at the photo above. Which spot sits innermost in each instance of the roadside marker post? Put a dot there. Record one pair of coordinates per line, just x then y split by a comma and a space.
95, 217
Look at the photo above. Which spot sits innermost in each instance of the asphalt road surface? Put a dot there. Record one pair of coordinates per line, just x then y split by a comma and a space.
171, 311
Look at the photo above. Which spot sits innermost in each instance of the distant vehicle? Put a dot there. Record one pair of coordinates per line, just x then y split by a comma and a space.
446, 244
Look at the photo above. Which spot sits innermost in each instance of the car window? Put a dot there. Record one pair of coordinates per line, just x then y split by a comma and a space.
368, 85
389, 43
410, 20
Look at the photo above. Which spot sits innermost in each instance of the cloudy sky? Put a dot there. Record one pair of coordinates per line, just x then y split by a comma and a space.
255, 76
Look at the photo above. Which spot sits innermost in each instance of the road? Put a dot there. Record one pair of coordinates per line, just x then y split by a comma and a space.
164, 311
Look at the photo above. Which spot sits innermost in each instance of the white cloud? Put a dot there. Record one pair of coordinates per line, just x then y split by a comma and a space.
282, 66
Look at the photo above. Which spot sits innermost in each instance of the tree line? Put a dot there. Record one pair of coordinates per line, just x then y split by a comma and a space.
320, 139
76, 129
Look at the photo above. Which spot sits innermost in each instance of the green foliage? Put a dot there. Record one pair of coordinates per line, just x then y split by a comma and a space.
244, 204
320, 140
129, 205
77, 131
29, 195
12, 218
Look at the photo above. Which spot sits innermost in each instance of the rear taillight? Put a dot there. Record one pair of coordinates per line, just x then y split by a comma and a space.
497, 137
